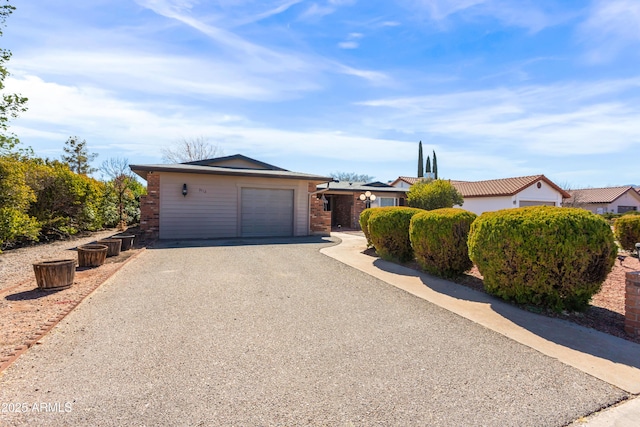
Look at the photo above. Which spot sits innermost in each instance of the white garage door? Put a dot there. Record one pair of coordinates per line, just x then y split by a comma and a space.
266, 212
524, 203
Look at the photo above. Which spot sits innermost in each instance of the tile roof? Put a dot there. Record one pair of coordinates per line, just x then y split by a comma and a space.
499, 187
599, 195
408, 179
494, 187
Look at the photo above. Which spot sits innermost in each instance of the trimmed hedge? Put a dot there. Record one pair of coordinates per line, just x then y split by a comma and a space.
547, 256
364, 224
627, 231
389, 231
439, 240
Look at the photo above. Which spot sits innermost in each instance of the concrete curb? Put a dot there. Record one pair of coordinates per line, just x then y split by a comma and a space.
5, 362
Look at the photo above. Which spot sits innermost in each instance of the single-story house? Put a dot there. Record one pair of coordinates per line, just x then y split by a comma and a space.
343, 200
233, 196
506, 193
605, 200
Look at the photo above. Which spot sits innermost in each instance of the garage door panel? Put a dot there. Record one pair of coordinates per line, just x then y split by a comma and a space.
266, 212
524, 203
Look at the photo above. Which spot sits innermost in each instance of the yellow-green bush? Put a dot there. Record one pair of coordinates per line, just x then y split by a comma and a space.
627, 231
547, 256
364, 224
439, 240
389, 232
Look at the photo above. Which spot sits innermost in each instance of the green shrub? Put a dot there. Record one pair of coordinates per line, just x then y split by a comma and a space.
15, 226
546, 256
389, 231
434, 194
364, 224
627, 231
439, 240
67, 202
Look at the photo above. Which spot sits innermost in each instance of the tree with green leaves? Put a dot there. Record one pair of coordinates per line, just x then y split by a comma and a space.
11, 105
435, 165
78, 157
434, 194
420, 161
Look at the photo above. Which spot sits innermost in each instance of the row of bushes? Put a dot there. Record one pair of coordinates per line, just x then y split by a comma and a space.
41, 199
546, 256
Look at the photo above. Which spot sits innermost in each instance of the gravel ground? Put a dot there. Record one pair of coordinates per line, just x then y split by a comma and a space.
282, 335
24, 309
16, 264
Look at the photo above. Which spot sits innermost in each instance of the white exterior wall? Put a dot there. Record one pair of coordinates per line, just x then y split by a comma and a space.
627, 199
212, 206
402, 184
544, 194
478, 205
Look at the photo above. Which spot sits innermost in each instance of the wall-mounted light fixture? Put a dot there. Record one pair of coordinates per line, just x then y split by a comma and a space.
367, 197
184, 190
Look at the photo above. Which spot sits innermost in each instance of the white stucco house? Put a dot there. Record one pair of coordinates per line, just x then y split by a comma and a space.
605, 200
505, 193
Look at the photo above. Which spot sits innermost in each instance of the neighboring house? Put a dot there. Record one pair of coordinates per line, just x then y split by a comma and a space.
605, 200
233, 196
506, 193
344, 203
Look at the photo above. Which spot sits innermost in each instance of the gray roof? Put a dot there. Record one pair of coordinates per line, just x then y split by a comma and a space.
142, 170
374, 187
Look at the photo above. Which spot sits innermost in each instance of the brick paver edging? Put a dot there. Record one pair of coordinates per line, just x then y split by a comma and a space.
6, 361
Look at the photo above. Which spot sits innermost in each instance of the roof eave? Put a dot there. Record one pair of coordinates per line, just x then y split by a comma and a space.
143, 170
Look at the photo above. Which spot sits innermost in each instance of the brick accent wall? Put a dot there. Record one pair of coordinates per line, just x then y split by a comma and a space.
150, 208
632, 304
358, 207
319, 219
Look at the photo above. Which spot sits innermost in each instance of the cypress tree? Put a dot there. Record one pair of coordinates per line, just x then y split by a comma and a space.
428, 170
420, 162
435, 166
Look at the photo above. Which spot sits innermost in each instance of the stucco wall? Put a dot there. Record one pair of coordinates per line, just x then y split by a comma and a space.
478, 205
544, 194
212, 205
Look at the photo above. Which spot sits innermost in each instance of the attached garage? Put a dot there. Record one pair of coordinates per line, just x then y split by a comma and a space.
231, 196
266, 212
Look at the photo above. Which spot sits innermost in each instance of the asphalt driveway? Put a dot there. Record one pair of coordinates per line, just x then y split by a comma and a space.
230, 333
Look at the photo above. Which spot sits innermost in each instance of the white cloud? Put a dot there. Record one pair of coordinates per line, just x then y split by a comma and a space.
518, 13
561, 119
348, 45
612, 26
351, 41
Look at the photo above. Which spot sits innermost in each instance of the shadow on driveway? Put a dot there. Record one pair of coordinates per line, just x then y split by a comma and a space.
243, 241
558, 331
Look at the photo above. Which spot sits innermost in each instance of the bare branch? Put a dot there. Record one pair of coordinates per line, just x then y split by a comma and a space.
191, 149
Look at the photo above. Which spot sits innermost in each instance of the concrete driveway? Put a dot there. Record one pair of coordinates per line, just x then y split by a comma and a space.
232, 333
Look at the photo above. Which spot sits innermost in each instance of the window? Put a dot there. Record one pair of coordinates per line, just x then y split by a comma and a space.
387, 201
623, 209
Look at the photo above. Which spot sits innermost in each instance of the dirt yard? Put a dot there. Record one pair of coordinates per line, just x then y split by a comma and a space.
28, 312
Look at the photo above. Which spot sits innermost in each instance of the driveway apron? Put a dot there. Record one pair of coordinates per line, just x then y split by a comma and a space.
265, 332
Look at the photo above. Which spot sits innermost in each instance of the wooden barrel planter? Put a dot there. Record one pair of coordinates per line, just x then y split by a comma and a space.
54, 275
127, 241
113, 246
92, 255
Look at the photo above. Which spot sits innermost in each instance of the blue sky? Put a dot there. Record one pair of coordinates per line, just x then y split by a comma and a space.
498, 88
